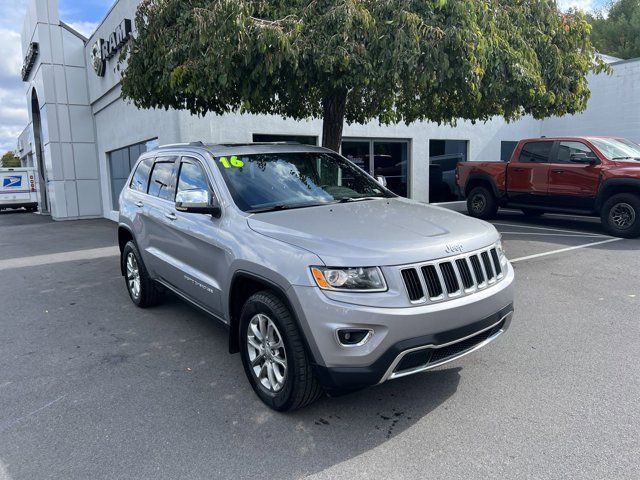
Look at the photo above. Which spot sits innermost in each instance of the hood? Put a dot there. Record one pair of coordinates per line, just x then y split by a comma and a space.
375, 232
628, 163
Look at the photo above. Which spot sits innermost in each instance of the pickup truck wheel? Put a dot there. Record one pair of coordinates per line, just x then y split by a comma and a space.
142, 289
481, 203
273, 354
528, 212
621, 215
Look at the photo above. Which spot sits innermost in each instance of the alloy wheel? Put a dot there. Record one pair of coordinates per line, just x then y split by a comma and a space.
622, 215
133, 275
478, 203
267, 354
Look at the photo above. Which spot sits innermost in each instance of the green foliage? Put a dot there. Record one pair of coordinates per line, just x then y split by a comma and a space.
617, 34
393, 60
9, 159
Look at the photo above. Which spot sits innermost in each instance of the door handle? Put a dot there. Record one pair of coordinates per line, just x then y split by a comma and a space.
171, 216
518, 169
139, 204
557, 171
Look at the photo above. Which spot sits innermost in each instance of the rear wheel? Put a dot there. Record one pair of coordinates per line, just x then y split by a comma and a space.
142, 289
529, 212
273, 354
482, 203
621, 215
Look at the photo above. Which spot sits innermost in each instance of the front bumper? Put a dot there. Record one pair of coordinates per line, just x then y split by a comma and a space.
399, 332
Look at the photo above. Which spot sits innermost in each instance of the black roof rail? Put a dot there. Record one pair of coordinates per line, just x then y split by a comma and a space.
248, 144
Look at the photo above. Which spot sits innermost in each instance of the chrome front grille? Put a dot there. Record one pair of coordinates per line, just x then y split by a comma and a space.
453, 277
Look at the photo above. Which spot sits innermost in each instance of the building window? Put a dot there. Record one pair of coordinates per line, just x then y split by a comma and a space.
444, 156
506, 150
121, 162
389, 158
303, 139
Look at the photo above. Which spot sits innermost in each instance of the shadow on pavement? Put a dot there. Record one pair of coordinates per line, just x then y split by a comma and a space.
589, 225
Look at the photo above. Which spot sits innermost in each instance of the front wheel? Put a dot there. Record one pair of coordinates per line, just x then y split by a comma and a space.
273, 354
142, 289
482, 203
621, 215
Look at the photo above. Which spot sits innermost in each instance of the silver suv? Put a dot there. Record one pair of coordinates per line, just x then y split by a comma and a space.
327, 281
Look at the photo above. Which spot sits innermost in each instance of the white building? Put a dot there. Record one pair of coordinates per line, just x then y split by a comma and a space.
84, 138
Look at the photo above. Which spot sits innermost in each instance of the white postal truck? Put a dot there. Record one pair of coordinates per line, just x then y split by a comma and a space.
18, 188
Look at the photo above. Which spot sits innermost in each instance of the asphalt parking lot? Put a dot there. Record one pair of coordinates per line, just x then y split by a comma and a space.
92, 387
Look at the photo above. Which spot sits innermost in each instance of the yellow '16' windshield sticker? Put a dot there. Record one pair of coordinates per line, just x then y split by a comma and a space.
232, 161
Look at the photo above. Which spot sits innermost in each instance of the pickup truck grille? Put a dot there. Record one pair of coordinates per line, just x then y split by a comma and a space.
453, 277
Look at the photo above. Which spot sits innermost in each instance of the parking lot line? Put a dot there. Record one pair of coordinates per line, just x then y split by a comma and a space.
562, 250
545, 228
38, 260
585, 235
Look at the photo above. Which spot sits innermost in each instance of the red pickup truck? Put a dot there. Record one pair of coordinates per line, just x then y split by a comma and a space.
578, 175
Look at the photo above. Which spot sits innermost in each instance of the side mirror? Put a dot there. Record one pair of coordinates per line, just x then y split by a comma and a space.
197, 201
581, 157
381, 180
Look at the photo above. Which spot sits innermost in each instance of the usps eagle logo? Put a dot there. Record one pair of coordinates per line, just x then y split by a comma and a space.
12, 182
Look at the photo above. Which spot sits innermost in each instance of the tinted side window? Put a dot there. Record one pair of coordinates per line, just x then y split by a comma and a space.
140, 179
536, 152
567, 149
192, 177
162, 180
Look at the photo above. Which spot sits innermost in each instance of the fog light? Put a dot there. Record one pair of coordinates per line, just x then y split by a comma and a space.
354, 337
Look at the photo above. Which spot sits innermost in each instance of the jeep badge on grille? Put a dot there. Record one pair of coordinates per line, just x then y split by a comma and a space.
454, 248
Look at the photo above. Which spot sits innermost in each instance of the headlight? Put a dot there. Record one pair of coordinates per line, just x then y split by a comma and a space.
501, 253
361, 279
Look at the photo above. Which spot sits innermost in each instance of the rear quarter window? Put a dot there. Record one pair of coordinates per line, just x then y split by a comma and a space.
140, 179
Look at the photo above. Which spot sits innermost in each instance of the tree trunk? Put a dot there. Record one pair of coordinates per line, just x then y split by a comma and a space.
333, 106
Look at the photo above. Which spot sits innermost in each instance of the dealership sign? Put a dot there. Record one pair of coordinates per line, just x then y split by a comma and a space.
102, 50
29, 60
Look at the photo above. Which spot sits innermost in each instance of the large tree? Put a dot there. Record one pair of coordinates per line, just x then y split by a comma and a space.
359, 60
616, 31
9, 159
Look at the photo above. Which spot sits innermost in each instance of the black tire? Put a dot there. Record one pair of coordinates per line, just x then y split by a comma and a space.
530, 212
149, 293
621, 215
300, 386
482, 203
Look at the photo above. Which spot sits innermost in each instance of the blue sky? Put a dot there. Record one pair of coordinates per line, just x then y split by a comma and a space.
83, 15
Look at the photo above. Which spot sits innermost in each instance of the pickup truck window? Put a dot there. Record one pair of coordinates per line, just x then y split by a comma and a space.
617, 148
536, 152
567, 149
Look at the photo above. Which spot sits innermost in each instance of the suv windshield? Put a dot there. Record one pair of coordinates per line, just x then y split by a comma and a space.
617, 148
277, 181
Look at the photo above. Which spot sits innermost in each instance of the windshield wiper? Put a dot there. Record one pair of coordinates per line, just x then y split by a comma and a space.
284, 206
626, 158
357, 199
